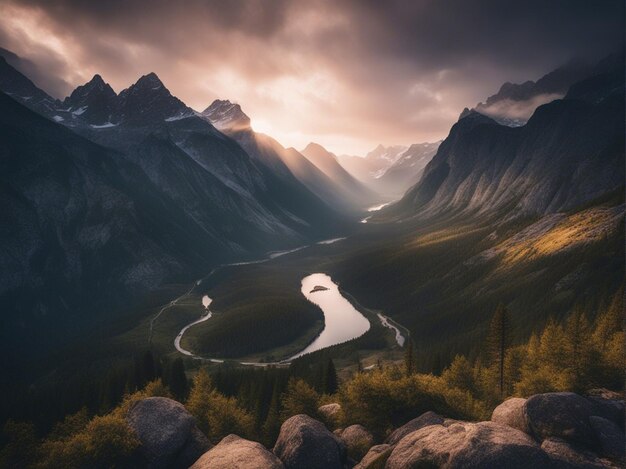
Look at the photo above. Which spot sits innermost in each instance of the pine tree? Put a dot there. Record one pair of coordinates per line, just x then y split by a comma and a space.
177, 380
499, 340
271, 426
331, 382
147, 368
409, 358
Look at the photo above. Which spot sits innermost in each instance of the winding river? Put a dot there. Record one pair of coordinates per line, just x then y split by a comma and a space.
342, 321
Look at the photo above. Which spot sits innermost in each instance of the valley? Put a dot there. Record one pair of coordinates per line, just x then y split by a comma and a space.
350, 252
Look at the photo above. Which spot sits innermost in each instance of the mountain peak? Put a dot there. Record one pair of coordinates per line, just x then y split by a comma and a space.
97, 79
150, 80
226, 115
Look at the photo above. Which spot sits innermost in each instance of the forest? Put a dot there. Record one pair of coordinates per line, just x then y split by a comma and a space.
583, 352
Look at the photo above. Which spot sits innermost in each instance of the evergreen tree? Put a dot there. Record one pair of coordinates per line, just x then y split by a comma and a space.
146, 371
271, 426
177, 379
409, 358
331, 382
499, 340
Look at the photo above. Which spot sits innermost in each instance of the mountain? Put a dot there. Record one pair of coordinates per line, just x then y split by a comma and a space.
149, 101
17, 85
95, 102
146, 109
570, 152
85, 232
134, 192
289, 163
513, 104
374, 164
225, 115
328, 164
407, 170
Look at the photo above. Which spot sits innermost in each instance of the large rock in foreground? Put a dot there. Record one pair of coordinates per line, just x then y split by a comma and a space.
424, 420
565, 456
465, 445
304, 442
561, 415
167, 432
235, 452
512, 412
609, 437
375, 457
358, 440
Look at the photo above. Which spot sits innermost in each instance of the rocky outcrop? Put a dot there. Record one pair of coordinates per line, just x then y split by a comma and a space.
464, 444
511, 412
560, 415
167, 432
305, 442
331, 413
563, 455
424, 420
553, 430
609, 438
236, 452
375, 457
358, 440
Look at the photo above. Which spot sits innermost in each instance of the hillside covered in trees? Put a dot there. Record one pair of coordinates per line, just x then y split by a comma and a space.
579, 354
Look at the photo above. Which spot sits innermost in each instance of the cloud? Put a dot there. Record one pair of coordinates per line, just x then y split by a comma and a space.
347, 74
517, 111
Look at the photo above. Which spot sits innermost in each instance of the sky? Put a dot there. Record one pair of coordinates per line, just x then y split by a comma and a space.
347, 74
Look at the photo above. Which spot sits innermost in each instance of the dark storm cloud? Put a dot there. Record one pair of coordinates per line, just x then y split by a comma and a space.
346, 73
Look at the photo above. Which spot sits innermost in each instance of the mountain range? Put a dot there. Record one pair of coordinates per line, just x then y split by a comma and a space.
328, 181
103, 169
565, 156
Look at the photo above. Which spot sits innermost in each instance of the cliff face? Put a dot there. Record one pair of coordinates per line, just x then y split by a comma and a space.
570, 152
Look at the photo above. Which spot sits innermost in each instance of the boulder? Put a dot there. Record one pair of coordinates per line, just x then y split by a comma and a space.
465, 445
610, 409
236, 452
357, 440
330, 413
167, 432
196, 445
610, 438
565, 456
375, 458
512, 413
305, 442
561, 415
424, 420
604, 393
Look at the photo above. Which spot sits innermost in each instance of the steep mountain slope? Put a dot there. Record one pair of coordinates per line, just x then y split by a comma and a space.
91, 228
15, 84
513, 104
281, 204
290, 164
407, 170
95, 102
570, 152
328, 164
84, 232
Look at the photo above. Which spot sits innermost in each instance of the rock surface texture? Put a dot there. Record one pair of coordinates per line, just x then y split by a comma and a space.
305, 442
235, 452
167, 432
483, 444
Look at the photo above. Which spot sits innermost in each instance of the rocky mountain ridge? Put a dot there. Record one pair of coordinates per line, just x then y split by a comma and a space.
569, 153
